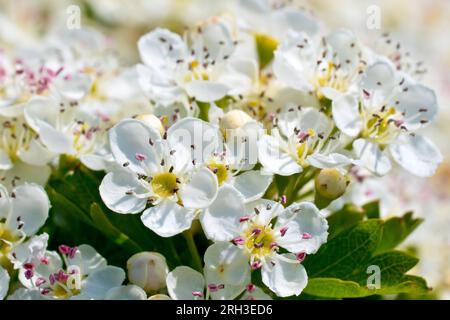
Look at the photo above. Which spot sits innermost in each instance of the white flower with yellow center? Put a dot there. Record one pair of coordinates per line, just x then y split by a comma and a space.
22, 155
229, 153
304, 137
327, 69
64, 128
156, 172
22, 213
175, 69
75, 273
184, 283
300, 229
385, 117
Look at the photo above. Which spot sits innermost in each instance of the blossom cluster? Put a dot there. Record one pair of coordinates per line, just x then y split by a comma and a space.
224, 131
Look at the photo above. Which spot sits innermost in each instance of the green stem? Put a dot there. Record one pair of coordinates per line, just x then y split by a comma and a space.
193, 250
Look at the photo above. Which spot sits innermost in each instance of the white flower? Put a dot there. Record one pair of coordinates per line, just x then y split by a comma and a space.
82, 273
393, 107
303, 137
22, 213
174, 70
184, 283
65, 129
299, 228
155, 172
328, 69
230, 156
128, 292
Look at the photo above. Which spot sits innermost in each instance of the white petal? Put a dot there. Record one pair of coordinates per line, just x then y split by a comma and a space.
379, 80
416, 154
183, 281
99, 282
5, 202
300, 219
36, 154
346, 115
267, 209
200, 191
332, 160
167, 218
226, 264
27, 294
344, 45
274, 159
206, 91
75, 87
131, 137
128, 292
204, 137
88, 259
220, 221
26, 173
418, 104
252, 184
228, 261
114, 188
31, 204
371, 157
161, 49
4, 283
5, 161
285, 278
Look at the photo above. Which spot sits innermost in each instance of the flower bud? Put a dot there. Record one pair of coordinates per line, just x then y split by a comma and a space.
148, 270
234, 119
330, 183
152, 121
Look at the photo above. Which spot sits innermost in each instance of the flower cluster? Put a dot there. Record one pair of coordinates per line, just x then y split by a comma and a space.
239, 131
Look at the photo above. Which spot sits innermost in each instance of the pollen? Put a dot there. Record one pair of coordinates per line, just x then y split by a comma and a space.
259, 240
220, 170
165, 184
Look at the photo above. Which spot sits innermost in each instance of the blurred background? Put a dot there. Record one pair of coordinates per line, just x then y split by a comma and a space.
420, 26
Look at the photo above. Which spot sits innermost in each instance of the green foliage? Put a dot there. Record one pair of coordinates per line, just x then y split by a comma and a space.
342, 266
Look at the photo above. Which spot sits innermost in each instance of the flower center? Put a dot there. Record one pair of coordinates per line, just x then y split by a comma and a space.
259, 240
6, 238
302, 147
382, 126
165, 184
220, 170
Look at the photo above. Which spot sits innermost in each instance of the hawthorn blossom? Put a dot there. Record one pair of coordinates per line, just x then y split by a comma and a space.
184, 283
304, 137
158, 173
177, 70
73, 273
385, 118
300, 229
327, 69
230, 153
22, 213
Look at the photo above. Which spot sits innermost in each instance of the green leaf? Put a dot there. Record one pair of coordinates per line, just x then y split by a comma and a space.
342, 268
344, 219
101, 221
346, 254
396, 230
372, 209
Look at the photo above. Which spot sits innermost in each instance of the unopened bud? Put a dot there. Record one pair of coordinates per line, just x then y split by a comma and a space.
148, 270
159, 297
330, 184
234, 119
152, 121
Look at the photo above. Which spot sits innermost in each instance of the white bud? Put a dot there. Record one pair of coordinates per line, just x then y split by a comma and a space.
148, 270
330, 183
152, 121
234, 119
